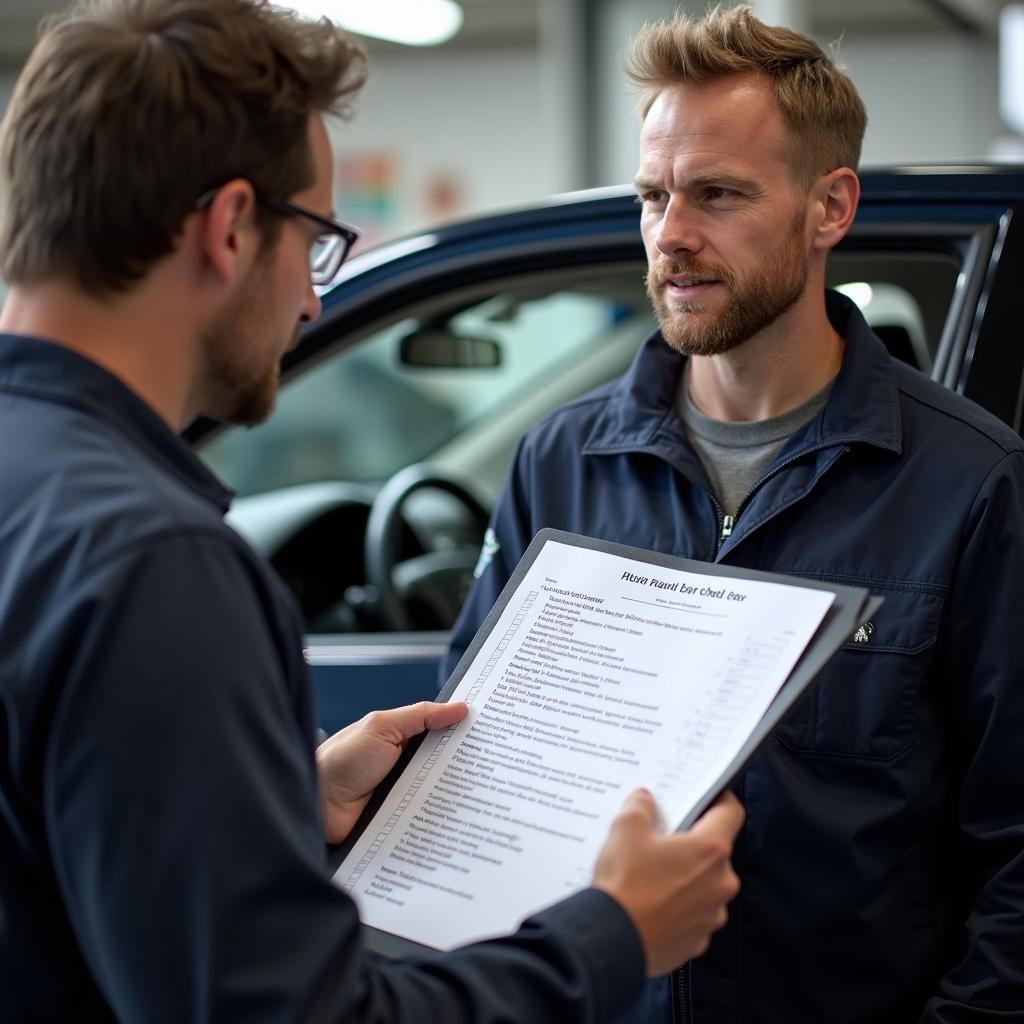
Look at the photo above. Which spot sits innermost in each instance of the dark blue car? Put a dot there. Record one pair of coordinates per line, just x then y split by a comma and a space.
400, 410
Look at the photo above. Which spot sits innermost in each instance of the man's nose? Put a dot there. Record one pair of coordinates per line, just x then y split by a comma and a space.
310, 306
678, 234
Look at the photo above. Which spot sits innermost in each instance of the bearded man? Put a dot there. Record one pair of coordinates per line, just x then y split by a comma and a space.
765, 426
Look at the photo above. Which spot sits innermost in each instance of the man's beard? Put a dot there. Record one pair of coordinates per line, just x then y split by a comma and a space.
752, 305
239, 390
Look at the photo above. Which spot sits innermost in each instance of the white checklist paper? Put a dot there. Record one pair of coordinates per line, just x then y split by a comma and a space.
602, 673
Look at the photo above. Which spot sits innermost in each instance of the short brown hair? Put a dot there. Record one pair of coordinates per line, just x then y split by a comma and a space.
129, 110
819, 104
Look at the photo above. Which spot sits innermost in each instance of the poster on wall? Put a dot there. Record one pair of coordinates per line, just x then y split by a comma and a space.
372, 192
366, 187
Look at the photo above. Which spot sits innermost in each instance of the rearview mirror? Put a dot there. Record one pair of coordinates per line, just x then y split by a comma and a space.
439, 347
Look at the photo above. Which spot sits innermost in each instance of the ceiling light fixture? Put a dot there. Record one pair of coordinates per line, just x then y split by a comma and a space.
412, 22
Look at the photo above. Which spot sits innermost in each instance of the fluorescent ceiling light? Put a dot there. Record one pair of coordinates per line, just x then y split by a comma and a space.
413, 22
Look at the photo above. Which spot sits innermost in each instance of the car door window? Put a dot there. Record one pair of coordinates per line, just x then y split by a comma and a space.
364, 413
904, 296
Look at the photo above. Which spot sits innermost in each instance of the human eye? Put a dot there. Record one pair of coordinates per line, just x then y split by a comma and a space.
719, 193
651, 197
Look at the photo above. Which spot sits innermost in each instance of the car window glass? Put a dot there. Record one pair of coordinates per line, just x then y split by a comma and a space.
362, 414
904, 296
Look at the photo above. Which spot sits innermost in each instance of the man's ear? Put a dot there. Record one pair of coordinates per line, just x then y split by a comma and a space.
230, 236
834, 198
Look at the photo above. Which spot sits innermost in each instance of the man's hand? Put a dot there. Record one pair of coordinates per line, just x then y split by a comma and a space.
353, 761
674, 887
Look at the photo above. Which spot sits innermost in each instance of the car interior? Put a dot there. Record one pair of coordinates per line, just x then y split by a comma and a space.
370, 486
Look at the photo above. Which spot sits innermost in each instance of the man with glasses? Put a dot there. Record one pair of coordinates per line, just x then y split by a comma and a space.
162, 813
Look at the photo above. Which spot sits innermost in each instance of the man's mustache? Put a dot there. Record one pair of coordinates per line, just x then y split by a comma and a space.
661, 270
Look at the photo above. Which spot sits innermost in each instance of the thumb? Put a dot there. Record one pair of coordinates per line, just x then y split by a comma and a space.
440, 716
639, 813
722, 820
397, 725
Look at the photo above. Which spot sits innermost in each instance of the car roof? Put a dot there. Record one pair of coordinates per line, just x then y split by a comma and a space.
920, 183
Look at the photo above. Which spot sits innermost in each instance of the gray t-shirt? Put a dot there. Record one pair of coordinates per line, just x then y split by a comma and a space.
735, 455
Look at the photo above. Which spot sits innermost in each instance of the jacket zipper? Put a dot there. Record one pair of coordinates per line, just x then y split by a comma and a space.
681, 995
728, 523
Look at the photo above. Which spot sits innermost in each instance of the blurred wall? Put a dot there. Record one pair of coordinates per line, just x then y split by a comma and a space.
929, 98
7, 78
463, 132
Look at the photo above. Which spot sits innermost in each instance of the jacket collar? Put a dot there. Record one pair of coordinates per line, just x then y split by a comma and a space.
863, 406
53, 373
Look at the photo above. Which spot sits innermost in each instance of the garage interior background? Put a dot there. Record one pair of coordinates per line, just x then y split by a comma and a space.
528, 99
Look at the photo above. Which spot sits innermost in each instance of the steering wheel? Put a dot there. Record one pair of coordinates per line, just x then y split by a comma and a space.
437, 578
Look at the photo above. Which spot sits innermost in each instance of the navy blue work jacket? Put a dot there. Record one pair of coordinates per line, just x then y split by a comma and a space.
161, 843
882, 858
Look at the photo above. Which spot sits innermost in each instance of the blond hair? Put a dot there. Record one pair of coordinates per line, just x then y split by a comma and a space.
818, 103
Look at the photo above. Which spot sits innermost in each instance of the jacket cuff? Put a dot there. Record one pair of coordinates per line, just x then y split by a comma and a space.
606, 940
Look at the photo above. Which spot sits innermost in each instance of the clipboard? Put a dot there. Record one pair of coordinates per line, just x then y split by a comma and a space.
850, 607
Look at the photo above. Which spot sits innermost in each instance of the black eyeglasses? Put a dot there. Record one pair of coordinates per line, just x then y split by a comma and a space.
329, 249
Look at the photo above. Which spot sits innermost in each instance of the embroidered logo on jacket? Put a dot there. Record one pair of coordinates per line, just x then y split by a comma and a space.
865, 631
490, 548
